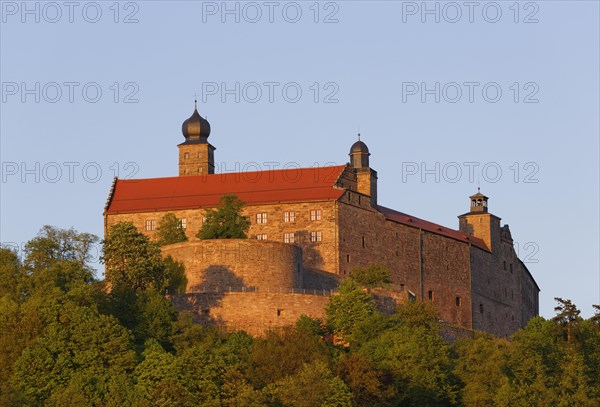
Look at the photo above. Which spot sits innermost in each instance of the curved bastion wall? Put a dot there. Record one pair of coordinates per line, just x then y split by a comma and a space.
238, 265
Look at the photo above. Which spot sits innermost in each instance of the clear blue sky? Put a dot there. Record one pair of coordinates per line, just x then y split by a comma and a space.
378, 62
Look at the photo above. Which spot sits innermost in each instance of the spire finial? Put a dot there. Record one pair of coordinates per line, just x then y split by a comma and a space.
359, 136
478, 189
195, 102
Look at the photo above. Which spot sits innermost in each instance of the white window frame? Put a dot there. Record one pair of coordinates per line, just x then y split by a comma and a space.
315, 214
316, 236
150, 224
183, 223
289, 216
261, 237
289, 237
261, 218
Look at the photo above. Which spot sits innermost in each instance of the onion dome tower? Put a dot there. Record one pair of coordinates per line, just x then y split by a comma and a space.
366, 177
196, 154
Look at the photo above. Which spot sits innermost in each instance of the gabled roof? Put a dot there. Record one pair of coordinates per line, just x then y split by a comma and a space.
196, 191
410, 220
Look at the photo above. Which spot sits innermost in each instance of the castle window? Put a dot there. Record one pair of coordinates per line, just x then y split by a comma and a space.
261, 237
186, 156
261, 217
430, 295
397, 253
289, 216
363, 242
347, 258
183, 223
316, 236
504, 264
315, 214
401, 287
150, 225
412, 296
481, 308
458, 301
359, 199
279, 312
289, 237
511, 269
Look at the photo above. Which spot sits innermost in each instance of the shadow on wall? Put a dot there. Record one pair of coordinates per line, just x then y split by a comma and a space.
218, 279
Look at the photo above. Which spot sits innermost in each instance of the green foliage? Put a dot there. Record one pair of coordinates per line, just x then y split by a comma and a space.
567, 317
349, 307
169, 230
372, 276
226, 222
313, 385
131, 259
67, 340
176, 281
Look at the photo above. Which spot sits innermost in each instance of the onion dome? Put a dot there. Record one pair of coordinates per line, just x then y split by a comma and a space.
359, 147
196, 128
359, 154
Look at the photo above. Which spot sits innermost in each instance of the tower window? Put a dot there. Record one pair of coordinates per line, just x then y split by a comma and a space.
151, 224
289, 237
363, 242
347, 258
183, 223
261, 237
289, 216
401, 287
481, 308
261, 217
511, 269
504, 264
315, 214
316, 236
430, 295
186, 156
458, 301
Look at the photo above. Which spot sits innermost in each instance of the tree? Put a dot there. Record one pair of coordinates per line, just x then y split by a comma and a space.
226, 222
313, 385
568, 316
348, 308
170, 231
372, 276
131, 259
176, 281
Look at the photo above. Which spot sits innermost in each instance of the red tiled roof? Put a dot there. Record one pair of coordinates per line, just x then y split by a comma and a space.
258, 187
431, 227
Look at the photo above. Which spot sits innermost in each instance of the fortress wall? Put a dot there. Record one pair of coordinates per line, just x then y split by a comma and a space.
393, 245
446, 275
236, 264
254, 313
322, 256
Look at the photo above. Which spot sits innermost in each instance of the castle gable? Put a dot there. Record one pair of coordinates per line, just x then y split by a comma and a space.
254, 188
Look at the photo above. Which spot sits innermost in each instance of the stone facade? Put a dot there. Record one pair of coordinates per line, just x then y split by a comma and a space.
239, 265
253, 312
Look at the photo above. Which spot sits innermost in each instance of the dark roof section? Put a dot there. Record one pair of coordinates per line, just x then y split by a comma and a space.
410, 220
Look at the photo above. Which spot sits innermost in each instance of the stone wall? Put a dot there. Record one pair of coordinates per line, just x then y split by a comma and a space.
254, 313
238, 264
322, 256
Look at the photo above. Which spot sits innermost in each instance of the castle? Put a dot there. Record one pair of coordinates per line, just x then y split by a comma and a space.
311, 227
